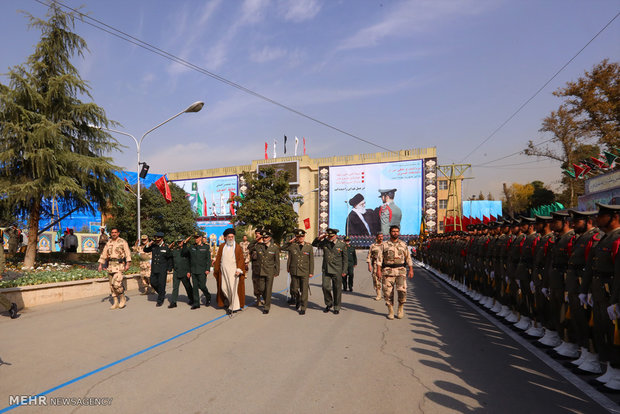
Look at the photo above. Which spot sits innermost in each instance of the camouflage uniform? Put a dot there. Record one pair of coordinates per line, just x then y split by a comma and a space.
371, 259
116, 253
145, 265
246, 252
393, 257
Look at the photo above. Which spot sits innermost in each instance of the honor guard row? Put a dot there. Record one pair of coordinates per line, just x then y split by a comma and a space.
554, 278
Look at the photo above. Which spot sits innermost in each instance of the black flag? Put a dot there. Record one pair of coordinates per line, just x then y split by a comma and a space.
285, 144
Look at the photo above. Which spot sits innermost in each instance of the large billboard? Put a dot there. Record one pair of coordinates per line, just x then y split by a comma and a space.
210, 197
364, 199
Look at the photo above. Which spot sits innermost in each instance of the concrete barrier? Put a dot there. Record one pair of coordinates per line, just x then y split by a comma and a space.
36, 295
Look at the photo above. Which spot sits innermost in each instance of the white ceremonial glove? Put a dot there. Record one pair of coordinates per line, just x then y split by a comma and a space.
590, 300
507, 279
611, 311
532, 287
545, 292
519, 283
492, 274
582, 299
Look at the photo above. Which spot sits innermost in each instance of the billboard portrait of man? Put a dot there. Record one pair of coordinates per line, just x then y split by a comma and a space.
361, 221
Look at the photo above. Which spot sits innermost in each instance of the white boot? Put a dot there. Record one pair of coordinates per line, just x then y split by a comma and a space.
579, 361
497, 307
504, 312
523, 324
614, 382
569, 350
535, 331
591, 364
512, 317
551, 338
606, 377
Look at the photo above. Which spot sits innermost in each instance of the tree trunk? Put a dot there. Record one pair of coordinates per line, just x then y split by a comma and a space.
33, 230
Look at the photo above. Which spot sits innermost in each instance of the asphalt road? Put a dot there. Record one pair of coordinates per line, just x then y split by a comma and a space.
445, 356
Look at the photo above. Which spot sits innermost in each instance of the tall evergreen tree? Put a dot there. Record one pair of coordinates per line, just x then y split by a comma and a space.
47, 148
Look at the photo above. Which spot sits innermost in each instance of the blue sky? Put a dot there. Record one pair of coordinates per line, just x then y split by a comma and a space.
403, 74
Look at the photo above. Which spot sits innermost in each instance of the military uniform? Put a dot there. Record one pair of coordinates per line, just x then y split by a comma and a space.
13, 234
181, 274
300, 266
269, 267
115, 256
246, 252
335, 264
103, 240
393, 258
371, 259
347, 281
145, 265
253, 247
389, 213
200, 263
161, 264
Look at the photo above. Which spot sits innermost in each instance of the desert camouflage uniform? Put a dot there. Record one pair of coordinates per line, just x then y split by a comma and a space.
116, 253
145, 264
246, 252
393, 257
371, 259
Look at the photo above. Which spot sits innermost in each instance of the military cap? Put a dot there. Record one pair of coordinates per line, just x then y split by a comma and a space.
507, 222
386, 191
198, 234
159, 234
582, 214
299, 232
331, 232
266, 233
347, 239
228, 231
144, 237
470, 227
559, 215
543, 219
357, 198
608, 208
258, 230
527, 220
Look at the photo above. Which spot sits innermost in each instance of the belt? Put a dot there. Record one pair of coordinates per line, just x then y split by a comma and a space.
118, 260
393, 266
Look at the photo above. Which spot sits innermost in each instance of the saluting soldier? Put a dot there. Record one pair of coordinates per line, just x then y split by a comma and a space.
392, 261
300, 266
145, 263
181, 274
116, 257
347, 280
371, 259
199, 255
161, 264
334, 268
269, 267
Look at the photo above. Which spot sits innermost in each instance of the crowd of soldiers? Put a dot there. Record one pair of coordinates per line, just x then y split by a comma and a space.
554, 278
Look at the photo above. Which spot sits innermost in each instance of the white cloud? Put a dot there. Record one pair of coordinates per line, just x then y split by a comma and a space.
267, 54
413, 16
299, 11
253, 11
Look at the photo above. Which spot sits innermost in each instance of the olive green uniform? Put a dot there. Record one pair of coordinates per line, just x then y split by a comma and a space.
269, 267
199, 263
300, 266
181, 270
347, 281
335, 263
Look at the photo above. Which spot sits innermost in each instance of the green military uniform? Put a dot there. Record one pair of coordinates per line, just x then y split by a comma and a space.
524, 271
268, 255
335, 263
161, 264
13, 234
347, 281
200, 264
300, 266
181, 274
253, 248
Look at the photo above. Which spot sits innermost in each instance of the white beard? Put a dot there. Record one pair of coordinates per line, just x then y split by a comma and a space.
361, 210
230, 243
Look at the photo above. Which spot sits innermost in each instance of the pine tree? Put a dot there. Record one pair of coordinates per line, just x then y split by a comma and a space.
47, 148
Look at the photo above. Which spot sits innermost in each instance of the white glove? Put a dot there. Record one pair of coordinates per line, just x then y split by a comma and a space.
611, 311
545, 292
590, 300
582, 299
507, 279
532, 287
492, 274
519, 283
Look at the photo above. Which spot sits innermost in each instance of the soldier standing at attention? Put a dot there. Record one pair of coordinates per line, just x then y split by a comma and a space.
181, 274
347, 280
117, 258
268, 256
301, 268
391, 269
103, 239
145, 263
334, 268
161, 264
371, 259
199, 255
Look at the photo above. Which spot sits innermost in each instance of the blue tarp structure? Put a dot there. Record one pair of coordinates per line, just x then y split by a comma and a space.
482, 208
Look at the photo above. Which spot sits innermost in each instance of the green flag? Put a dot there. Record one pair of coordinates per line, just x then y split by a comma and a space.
194, 186
610, 157
199, 204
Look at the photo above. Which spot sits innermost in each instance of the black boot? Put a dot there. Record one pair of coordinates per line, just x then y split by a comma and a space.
13, 310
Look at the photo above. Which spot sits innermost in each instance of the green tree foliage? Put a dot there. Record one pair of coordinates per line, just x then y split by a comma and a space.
47, 149
267, 203
175, 220
541, 195
594, 100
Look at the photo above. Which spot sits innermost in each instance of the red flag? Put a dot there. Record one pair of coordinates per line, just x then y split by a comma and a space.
493, 218
485, 220
307, 223
232, 203
578, 170
162, 186
304, 146
127, 186
599, 163
266, 146
205, 210
465, 221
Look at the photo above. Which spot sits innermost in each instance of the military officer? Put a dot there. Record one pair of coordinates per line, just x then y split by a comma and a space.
181, 274
253, 248
393, 258
389, 213
524, 271
268, 256
199, 255
116, 256
13, 233
371, 259
246, 252
161, 264
301, 268
145, 263
335, 264
347, 280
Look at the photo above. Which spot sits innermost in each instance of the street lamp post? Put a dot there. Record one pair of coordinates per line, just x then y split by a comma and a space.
195, 107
